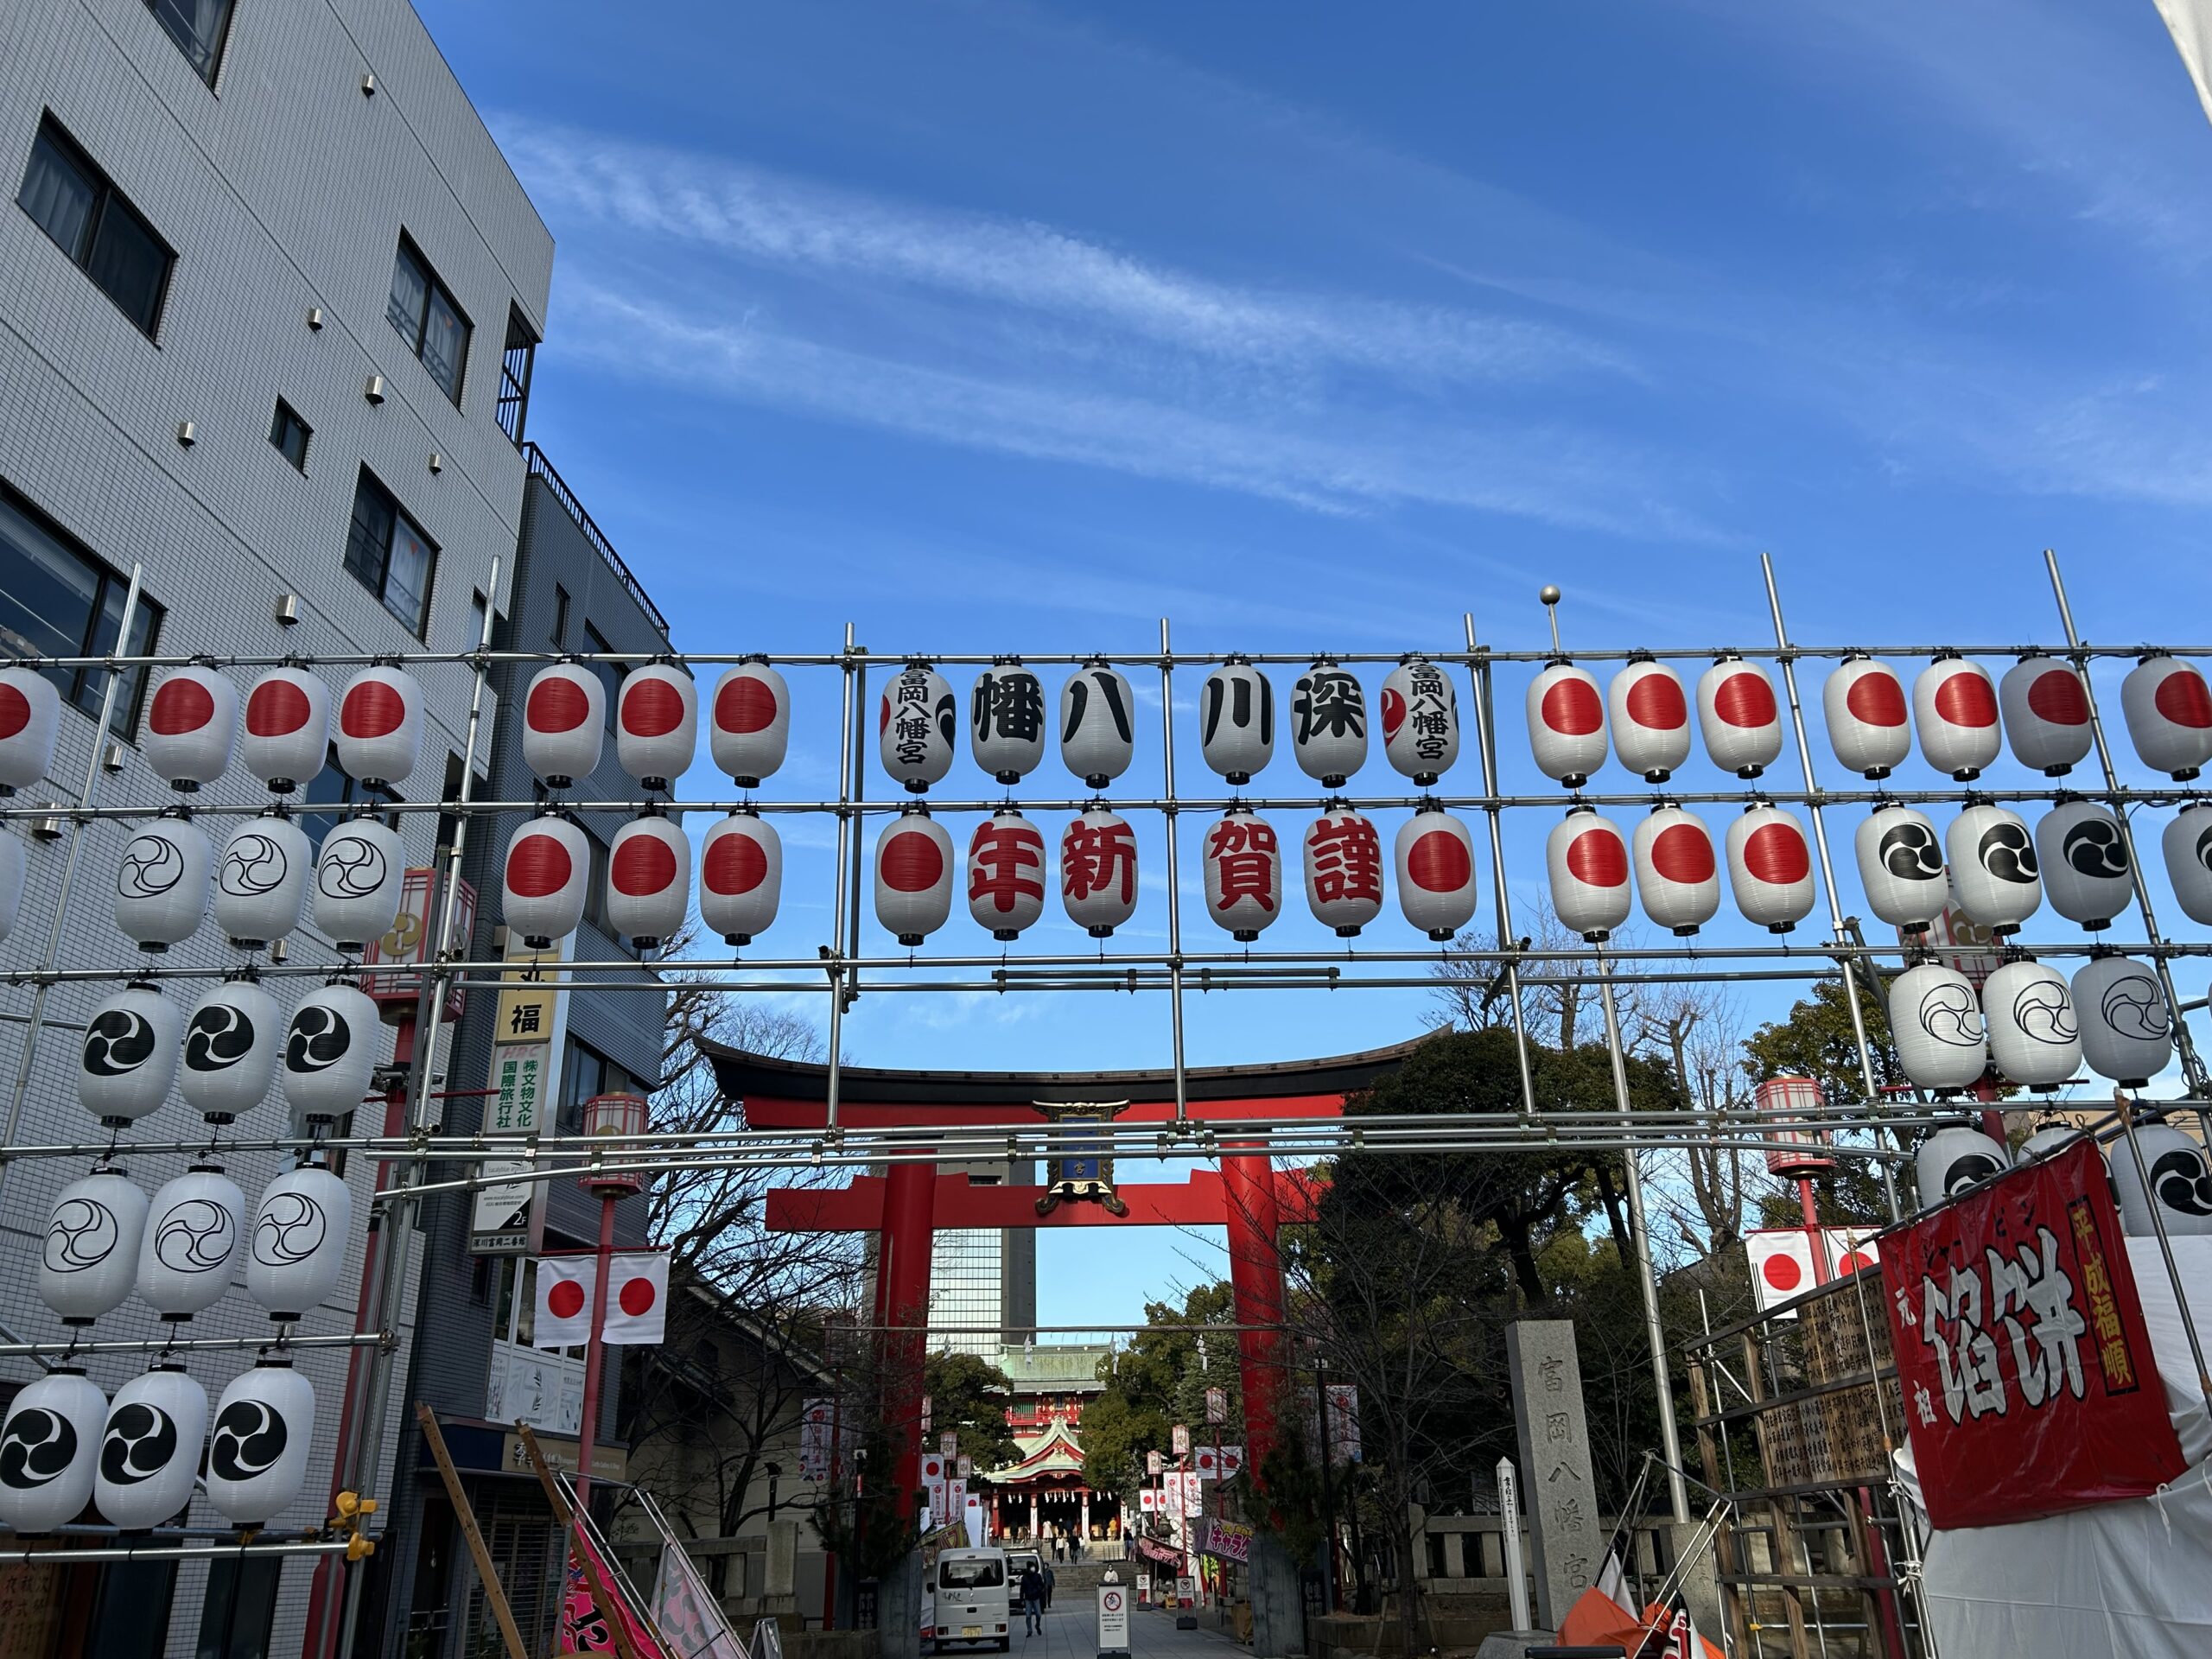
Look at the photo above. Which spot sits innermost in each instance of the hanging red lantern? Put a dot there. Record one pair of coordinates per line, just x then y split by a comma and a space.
752, 726
913, 875
2187, 844
1567, 723
2084, 863
1098, 871
379, 735
1097, 724
1420, 720
1344, 870
2046, 714
915, 724
1901, 867
1954, 706
1236, 720
547, 871
1243, 872
161, 885
1869, 725
1994, 868
1676, 874
1328, 724
1436, 858
2169, 715
287, 736
1770, 868
1737, 711
192, 727
1006, 872
740, 877
1589, 864
1650, 718
563, 723
31, 716
648, 881
656, 724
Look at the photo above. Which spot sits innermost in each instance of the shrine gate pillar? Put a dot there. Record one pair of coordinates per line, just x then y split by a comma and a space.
902, 1308
1255, 1284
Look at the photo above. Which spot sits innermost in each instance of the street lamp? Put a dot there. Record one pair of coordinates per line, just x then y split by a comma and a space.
613, 1117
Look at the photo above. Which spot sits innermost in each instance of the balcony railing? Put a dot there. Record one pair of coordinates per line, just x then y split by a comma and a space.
538, 466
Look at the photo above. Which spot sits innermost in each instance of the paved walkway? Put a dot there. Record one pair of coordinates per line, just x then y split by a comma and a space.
1071, 1632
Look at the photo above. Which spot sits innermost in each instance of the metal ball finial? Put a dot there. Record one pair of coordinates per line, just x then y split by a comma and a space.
1548, 593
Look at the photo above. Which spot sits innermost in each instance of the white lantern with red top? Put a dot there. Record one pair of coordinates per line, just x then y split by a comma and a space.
1420, 720
1006, 721
331, 1050
192, 727
1344, 869
2169, 715
1650, 718
1737, 713
751, 728
11, 881
1869, 725
1098, 871
2034, 1038
301, 1232
149, 1448
1993, 867
649, 882
1935, 1021
161, 885
656, 723
358, 877
129, 1054
378, 732
913, 875
2188, 846
2046, 714
915, 722
1006, 873
30, 717
1676, 872
1097, 724
2082, 858
1954, 706
89, 1258
1901, 867
563, 723
543, 881
1770, 868
1236, 720
1950, 1160
1435, 860
1328, 724
257, 1448
195, 1231
2127, 1029
287, 736
740, 877
230, 1044
1588, 861
1242, 858
50, 1449
1567, 723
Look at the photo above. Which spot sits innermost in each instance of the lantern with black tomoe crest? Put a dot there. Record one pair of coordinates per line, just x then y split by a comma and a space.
359, 879
1650, 718
331, 1048
2127, 1031
231, 1041
2084, 862
296, 1252
1869, 725
1935, 1021
2034, 1038
257, 1446
129, 1054
50, 1449
262, 880
149, 1448
1993, 866
160, 883
2046, 714
88, 1260
195, 1228
1901, 867
1952, 1160
2187, 844
287, 735
2180, 1189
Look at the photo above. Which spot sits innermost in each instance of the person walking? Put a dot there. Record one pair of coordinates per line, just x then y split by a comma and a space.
1032, 1601
1049, 1576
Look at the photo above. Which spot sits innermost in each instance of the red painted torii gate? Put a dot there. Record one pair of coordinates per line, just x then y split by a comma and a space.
904, 1208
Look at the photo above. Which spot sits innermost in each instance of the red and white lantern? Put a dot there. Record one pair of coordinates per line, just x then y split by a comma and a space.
231, 1045
1236, 720
192, 727
31, 716
1005, 873
195, 1228
1098, 871
1770, 868
563, 723
261, 882
161, 886
11, 881
2188, 846
752, 724
740, 877
287, 736
1435, 860
1901, 867
1244, 871
1676, 872
649, 882
1420, 720
1589, 864
89, 1258
257, 1449
1936, 1023
913, 875
2127, 1029
1344, 870
1954, 706
2084, 863
915, 725
1328, 724
357, 881
2034, 1038
2169, 715
1737, 713
1994, 868
379, 727
1869, 725
1567, 723
149, 1448
544, 880
1097, 724
656, 724
297, 1253
331, 1050
2046, 714
128, 1060
1651, 719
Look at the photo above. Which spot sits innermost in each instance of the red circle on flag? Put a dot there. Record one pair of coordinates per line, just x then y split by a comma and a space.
652, 707
1744, 700
15, 711
1655, 701
735, 863
1964, 699
183, 706
1775, 853
565, 1300
1571, 708
2181, 697
557, 703
1855, 1261
1596, 856
1438, 862
1683, 852
912, 862
2056, 697
1876, 698
372, 709
638, 1297
538, 865
745, 704
1782, 1272
643, 864
276, 709
1393, 712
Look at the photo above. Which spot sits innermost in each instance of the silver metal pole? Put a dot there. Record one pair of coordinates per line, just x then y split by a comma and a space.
1174, 870
841, 949
1478, 685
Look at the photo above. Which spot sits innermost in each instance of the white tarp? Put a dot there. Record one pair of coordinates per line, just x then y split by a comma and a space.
2190, 24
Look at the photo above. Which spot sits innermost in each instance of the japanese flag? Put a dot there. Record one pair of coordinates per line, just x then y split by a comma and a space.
565, 1287
637, 1298
1232, 1462
1204, 1461
1148, 1500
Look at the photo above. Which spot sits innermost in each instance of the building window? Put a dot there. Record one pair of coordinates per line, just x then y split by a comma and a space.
584, 1073
514, 376
290, 435
198, 27
129, 1617
331, 788
560, 614
389, 555
610, 674
89, 220
423, 310
239, 1608
57, 600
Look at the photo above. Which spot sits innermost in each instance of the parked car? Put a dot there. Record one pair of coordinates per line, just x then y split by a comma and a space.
964, 1600
1019, 1561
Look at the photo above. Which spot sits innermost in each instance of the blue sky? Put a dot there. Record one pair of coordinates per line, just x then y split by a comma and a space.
991, 326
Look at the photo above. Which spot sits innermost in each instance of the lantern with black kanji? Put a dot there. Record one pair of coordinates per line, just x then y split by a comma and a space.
258, 1447
2127, 1031
656, 723
2169, 715
1770, 868
915, 725
287, 736
231, 1041
740, 877
1243, 872
1005, 873
1567, 723
195, 1228
2084, 863
2187, 842
1869, 725
89, 1258
1935, 1021
2180, 1189
1097, 724
1650, 718
1236, 720
1420, 720
2046, 714
261, 881
1588, 863
1950, 1160
11, 881
331, 1048
130, 1055
1006, 721
563, 723
544, 880
1328, 724
752, 722
298, 1251
1098, 871
1344, 869
358, 877
378, 732
913, 875
1738, 714
1901, 867
192, 727
50, 1449
1993, 867
1676, 872
648, 881
1954, 707
1435, 860
2034, 1039
149, 1448
160, 884
30, 717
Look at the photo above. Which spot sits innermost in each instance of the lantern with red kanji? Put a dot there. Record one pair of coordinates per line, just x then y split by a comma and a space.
1005, 873
2035, 1039
1770, 868
1676, 874
31, 716
915, 722
1420, 720
1993, 867
1344, 870
287, 736
1328, 724
2084, 861
379, 726
1954, 706
752, 722
1098, 871
1869, 725
1006, 721
2169, 715
2046, 714
1567, 723
192, 727
1588, 863
1243, 872
544, 880
1650, 718
1901, 867
1737, 711
1435, 860
563, 723
740, 877
1935, 1021
1097, 724
648, 881
2187, 844
913, 875
656, 723
1236, 720
161, 885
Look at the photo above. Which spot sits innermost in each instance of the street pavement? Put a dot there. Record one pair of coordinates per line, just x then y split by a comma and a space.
1071, 1632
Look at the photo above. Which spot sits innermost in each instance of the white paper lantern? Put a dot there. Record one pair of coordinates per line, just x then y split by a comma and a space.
1950, 1160
1588, 863
2180, 1187
89, 1261
1676, 872
298, 1250
1993, 867
915, 725
1006, 873
50, 1449
161, 885
1242, 858
2084, 863
331, 1049
378, 732
740, 877
358, 880
2046, 715
1006, 721
1435, 860
1770, 868
1901, 867
542, 883
1328, 724
262, 882
2048, 1139
649, 882
12, 864
257, 1449
1344, 870
31, 716
1097, 724
231, 1045
1420, 720
1098, 871
149, 1448
130, 1056
751, 723
1868, 728
2188, 846
2169, 715
563, 723
287, 736
192, 727
1935, 1021
1236, 720
2126, 1030
1740, 717
2034, 1039
657, 724
1954, 706
913, 876
1567, 724
1650, 718
195, 1231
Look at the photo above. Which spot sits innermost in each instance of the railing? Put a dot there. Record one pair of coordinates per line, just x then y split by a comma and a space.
538, 466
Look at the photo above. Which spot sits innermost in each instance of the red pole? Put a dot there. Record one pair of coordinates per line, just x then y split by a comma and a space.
1992, 1122
1813, 1226
587, 1431
1253, 1218
903, 1299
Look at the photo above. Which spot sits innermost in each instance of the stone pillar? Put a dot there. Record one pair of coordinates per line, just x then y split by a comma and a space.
779, 1588
902, 1300
1567, 1542
1255, 1283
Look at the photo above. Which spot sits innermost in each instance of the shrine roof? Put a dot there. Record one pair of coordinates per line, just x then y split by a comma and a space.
1055, 1453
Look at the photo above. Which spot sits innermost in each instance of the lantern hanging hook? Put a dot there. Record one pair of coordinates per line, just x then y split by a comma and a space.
1549, 594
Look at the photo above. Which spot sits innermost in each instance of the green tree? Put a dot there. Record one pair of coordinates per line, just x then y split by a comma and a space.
969, 1396
1159, 1380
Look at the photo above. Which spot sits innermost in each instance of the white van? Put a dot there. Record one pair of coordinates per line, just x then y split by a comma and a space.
1017, 1561
964, 1600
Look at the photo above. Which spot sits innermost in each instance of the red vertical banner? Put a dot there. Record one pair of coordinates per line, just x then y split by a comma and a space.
2028, 1379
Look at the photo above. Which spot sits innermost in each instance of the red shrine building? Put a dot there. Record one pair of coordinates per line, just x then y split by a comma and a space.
1043, 1494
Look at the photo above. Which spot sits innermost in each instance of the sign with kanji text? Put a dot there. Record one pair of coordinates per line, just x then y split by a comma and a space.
818, 1424
528, 1034
1180, 1439
2029, 1383
949, 1443
1151, 1464
1113, 1616
1229, 1541
967, 1467
1217, 1405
